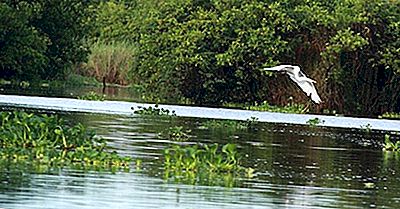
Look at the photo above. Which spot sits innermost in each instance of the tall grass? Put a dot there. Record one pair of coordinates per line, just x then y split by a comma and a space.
110, 61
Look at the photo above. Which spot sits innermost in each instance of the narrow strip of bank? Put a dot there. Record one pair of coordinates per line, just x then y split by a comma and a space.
125, 108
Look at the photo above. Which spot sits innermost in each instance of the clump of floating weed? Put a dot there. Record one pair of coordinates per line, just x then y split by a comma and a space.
195, 163
390, 115
48, 140
155, 111
314, 122
366, 128
176, 133
264, 106
230, 124
390, 146
93, 96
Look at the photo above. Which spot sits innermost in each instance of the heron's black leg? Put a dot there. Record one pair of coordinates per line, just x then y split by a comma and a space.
104, 84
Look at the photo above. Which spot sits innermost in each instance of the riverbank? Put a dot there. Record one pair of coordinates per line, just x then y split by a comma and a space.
125, 108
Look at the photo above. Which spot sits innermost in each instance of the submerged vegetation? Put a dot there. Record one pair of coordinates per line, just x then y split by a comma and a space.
48, 140
194, 163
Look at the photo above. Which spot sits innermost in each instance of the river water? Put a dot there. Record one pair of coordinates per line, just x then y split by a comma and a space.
295, 167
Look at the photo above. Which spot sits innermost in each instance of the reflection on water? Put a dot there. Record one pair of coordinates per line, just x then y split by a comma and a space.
295, 167
111, 92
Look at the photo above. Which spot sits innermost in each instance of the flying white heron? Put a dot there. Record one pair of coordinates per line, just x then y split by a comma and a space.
305, 83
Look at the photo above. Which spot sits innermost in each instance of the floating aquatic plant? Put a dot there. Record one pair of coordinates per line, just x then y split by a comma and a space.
48, 140
369, 185
314, 122
265, 106
176, 133
230, 124
194, 162
153, 111
24, 84
390, 115
93, 96
389, 145
366, 128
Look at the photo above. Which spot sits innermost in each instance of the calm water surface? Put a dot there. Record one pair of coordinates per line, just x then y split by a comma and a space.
67, 91
296, 167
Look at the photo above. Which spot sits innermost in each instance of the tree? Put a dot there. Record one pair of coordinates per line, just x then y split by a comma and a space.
22, 46
41, 38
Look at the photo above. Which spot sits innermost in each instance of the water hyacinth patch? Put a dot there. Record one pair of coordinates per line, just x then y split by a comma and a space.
197, 164
48, 140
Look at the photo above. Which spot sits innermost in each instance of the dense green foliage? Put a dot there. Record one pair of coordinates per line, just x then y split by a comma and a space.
22, 46
211, 51
48, 140
41, 39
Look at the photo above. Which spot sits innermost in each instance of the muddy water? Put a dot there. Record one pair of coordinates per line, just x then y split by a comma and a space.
296, 167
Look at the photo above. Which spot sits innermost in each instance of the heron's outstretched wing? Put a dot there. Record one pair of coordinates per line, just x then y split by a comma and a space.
309, 88
278, 68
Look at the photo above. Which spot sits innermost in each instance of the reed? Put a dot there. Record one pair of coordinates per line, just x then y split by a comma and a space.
110, 61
